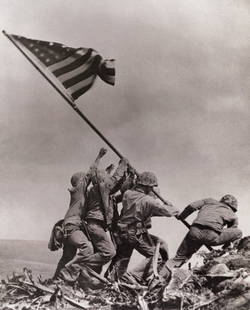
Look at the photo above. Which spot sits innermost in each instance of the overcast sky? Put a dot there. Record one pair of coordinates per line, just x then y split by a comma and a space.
180, 106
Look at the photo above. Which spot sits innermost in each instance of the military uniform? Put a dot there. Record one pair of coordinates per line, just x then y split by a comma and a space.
207, 228
74, 237
134, 222
98, 213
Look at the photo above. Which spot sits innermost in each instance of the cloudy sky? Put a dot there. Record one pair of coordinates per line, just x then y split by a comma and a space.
180, 106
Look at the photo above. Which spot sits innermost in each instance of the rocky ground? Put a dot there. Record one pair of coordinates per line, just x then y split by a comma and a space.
222, 282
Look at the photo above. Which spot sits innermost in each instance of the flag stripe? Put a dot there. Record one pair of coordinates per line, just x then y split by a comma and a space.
73, 65
82, 84
109, 64
107, 74
76, 79
80, 92
108, 80
66, 76
69, 59
62, 63
108, 71
87, 73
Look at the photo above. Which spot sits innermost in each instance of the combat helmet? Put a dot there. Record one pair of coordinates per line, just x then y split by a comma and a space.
231, 201
147, 178
76, 178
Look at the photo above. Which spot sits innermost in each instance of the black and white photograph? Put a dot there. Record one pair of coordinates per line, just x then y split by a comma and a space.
125, 155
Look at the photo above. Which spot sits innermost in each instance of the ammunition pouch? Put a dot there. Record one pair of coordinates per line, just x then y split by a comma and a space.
98, 222
130, 232
56, 237
68, 229
140, 228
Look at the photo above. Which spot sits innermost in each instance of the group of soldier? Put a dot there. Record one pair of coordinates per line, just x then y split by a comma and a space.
97, 229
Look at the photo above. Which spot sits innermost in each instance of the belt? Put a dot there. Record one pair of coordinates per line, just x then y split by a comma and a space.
98, 222
205, 227
138, 227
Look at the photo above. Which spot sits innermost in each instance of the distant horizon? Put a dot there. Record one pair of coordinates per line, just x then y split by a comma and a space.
37, 240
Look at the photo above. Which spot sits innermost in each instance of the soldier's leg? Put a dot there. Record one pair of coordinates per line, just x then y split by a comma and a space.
72, 269
145, 245
69, 252
163, 271
163, 247
228, 235
103, 247
189, 245
144, 273
120, 261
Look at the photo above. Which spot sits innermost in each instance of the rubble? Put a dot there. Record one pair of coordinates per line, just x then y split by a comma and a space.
222, 282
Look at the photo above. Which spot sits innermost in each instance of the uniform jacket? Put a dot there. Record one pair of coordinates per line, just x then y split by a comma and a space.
138, 208
212, 214
77, 200
99, 205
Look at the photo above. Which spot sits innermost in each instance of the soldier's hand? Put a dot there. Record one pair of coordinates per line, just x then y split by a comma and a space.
125, 161
166, 202
110, 168
131, 170
178, 215
102, 152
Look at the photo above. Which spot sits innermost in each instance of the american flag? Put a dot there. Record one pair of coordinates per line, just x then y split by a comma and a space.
75, 68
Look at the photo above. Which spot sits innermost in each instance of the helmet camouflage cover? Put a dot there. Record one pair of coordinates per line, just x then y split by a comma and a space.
231, 201
147, 178
76, 178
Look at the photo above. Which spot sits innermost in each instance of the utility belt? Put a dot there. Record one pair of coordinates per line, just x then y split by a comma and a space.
98, 222
200, 226
129, 232
56, 236
69, 228
136, 228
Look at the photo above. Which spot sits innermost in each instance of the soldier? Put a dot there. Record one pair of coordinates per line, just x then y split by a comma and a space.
98, 213
74, 237
208, 227
135, 220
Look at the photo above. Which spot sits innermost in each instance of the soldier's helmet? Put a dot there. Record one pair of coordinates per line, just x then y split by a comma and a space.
76, 178
231, 201
147, 178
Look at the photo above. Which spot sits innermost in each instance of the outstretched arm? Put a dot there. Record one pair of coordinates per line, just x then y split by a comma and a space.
156, 208
101, 153
118, 176
194, 206
186, 212
96, 163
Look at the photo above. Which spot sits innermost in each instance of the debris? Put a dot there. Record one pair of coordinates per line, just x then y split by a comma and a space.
219, 283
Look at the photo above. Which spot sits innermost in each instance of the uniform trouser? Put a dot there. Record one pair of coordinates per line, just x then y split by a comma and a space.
198, 236
94, 253
69, 252
145, 244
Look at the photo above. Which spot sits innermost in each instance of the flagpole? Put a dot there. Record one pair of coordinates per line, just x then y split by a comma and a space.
79, 112
69, 101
